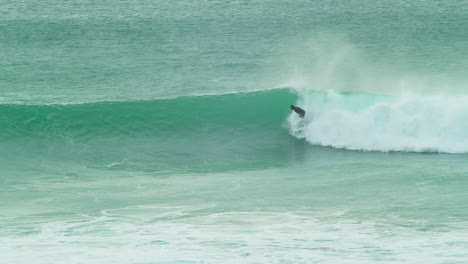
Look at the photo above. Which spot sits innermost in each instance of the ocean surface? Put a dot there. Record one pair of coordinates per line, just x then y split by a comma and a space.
158, 131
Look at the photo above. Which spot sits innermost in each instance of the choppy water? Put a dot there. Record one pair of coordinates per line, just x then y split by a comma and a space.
160, 132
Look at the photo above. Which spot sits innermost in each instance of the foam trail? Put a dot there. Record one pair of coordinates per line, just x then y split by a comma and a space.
361, 121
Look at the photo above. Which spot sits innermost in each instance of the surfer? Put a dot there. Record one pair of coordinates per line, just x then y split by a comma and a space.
298, 110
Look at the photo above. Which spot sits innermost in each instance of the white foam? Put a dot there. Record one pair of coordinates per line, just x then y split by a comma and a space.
376, 123
160, 235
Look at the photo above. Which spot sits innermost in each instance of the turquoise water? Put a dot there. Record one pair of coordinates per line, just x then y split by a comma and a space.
160, 132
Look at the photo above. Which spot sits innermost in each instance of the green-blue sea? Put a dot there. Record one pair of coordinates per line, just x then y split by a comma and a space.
160, 131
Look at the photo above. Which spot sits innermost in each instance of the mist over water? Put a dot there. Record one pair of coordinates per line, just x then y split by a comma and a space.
332, 61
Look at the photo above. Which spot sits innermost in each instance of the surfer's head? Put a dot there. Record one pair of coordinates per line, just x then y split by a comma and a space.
292, 106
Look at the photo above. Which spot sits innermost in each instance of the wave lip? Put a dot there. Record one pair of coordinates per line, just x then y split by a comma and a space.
370, 122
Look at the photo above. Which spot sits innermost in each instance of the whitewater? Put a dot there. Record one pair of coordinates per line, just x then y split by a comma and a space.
360, 121
160, 132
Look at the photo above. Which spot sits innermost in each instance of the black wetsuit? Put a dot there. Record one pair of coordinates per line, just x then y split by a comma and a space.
298, 110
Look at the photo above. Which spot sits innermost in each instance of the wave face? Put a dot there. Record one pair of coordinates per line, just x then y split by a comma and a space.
197, 132
370, 122
155, 117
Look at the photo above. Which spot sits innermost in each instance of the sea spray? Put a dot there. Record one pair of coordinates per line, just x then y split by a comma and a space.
333, 62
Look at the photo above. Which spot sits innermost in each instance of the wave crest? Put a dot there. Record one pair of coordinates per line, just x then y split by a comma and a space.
361, 121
